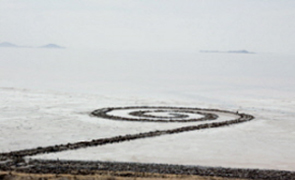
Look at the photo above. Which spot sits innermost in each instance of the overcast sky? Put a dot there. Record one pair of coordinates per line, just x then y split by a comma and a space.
151, 25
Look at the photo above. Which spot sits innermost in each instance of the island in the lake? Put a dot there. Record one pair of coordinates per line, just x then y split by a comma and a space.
231, 51
7, 44
11, 45
52, 46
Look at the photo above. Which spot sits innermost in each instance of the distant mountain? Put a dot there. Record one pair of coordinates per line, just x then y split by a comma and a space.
50, 46
7, 44
53, 46
233, 51
240, 51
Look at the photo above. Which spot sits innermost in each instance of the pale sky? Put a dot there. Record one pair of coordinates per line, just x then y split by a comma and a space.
151, 25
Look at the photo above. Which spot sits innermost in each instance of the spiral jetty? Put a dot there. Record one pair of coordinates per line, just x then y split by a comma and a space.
19, 161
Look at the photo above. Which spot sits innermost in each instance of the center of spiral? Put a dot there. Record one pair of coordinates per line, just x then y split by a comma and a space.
164, 114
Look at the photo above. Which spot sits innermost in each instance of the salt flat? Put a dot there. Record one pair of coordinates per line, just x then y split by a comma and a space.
47, 96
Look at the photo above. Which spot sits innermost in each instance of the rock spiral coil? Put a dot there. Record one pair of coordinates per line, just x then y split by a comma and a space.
206, 118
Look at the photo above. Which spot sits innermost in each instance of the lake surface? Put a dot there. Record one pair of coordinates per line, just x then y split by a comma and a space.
45, 90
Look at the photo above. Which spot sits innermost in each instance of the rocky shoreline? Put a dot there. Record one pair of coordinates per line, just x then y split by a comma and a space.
91, 167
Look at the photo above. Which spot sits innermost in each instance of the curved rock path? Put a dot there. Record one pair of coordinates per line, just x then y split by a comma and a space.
15, 160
